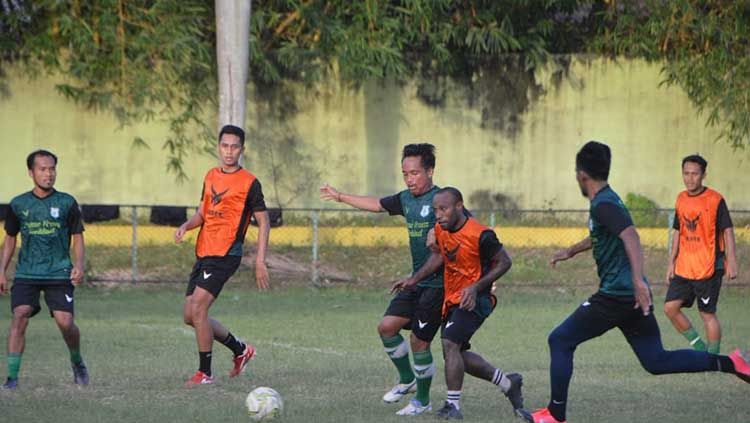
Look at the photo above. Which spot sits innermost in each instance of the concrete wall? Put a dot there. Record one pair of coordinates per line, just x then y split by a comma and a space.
353, 140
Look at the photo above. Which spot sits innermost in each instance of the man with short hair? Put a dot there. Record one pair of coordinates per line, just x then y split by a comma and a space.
473, 259
230, 196
417, 310
703, 241
47, 220
623, 300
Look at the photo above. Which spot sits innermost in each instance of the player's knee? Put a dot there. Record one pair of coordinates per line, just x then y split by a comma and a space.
386, 330
187, 318
708, 317
559, 340
418, 344
450, 348
671, 310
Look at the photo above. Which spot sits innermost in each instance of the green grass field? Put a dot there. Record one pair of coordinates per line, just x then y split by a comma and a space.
320, 350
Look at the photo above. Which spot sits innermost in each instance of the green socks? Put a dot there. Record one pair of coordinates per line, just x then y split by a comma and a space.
398, 351
714, 347
695, 340
14, 365
424, 369
75, 356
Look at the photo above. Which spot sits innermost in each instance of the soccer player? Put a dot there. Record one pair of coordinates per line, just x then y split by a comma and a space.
623, 300
473, 259
703, 239
230, 196
419, 309
47, 220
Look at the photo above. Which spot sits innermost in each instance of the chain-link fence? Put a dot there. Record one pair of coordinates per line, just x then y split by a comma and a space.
325, 246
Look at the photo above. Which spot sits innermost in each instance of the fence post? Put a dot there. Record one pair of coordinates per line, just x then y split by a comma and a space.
670, 231
134, 245
492, 219
315, 263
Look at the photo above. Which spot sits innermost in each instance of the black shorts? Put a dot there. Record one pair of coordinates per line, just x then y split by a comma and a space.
58, 296
211, 273
460, 325
687, 290
423, 307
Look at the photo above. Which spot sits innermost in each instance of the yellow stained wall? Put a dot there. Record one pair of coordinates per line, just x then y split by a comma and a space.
356, 137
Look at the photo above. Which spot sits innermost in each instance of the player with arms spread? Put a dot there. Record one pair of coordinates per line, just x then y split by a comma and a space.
419, 309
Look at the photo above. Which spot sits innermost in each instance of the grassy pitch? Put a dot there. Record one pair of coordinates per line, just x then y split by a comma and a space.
320, 350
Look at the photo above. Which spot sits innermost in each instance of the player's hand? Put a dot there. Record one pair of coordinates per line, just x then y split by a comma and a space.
76, 275
642, 297
329, 193
3, 285
402, 285
180, 233
732, 270
431, 242
468, 298
670, 273
560, 255
261, 275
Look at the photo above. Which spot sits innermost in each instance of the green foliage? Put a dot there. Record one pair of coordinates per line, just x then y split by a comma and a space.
644, 211
704, 47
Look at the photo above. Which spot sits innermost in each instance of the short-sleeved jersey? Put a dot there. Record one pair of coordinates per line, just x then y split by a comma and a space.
46, 226
608, 217
228, 201
420, 218
701, 220
467, 256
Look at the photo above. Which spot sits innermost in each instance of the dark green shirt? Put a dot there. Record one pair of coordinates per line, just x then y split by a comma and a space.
46, 225
420, 218
608, 218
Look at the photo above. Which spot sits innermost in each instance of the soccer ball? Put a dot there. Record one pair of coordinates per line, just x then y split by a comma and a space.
263, 404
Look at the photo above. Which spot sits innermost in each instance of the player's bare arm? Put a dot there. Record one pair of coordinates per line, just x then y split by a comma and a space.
571, 251
673, 255
731, 253
362, 202
9, 247
195, 221
632, 243
501, 263
79, 250
431, 266
264, 228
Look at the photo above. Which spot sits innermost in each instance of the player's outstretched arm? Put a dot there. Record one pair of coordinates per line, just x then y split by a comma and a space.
79, 250
431, 266
362, 202
264, 229
729, 245
195, 221
571, 251
633, 249
9, 247
500, 264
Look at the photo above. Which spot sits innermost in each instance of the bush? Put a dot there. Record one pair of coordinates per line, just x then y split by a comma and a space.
645, 211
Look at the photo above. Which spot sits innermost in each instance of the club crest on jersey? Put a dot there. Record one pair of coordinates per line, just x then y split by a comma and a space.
425, 210
591, 224
54, 212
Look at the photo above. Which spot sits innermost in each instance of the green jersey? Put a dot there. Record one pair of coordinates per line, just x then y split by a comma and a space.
420, 218
46, 225
608, 218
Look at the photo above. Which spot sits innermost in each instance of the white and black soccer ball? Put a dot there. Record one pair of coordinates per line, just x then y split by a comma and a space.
264, 404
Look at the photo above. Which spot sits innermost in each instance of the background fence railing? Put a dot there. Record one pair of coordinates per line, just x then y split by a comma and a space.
324, 246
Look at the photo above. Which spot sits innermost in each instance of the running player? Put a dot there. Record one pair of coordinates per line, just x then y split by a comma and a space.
473, 259
623, 300
47, 220
703, 239
419, 309
230, 196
